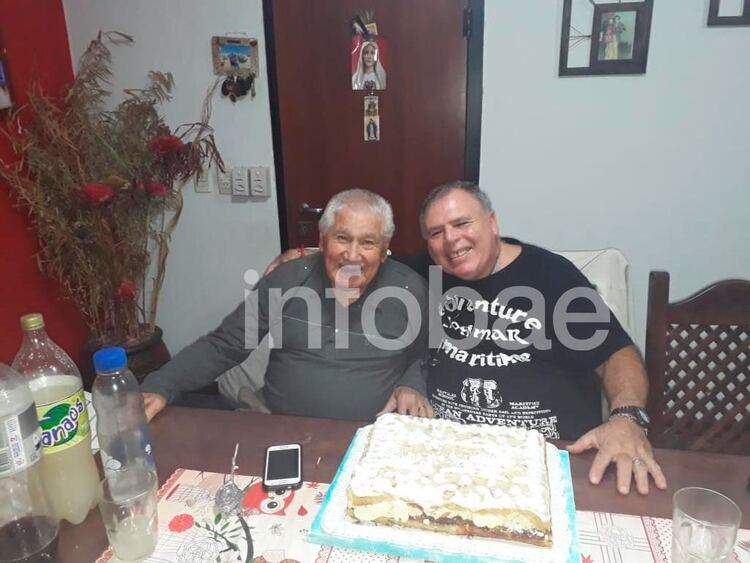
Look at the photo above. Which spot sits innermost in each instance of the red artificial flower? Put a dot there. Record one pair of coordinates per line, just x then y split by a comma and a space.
96, 193
587, 559
156, 189
181, 523
165, 144
127, 291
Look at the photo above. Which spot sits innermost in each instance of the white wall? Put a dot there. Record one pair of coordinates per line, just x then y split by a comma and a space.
657, 165
217, 239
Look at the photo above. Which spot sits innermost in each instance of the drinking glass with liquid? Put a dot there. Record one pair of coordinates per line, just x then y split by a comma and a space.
129, 509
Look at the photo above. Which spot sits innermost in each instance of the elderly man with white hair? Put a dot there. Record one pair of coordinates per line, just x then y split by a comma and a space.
348, 323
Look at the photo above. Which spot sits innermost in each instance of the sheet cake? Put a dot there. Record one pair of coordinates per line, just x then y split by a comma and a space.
435, 474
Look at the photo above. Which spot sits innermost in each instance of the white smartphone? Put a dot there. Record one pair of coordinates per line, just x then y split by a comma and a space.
283, 467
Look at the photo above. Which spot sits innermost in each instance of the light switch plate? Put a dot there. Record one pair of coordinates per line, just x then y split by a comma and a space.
240, 181
259, 183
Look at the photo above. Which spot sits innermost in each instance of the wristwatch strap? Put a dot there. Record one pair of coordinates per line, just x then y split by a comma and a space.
631, 417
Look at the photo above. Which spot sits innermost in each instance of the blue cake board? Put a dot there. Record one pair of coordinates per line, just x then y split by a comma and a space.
318, 535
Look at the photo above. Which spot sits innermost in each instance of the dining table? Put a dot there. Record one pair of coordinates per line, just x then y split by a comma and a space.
204, 440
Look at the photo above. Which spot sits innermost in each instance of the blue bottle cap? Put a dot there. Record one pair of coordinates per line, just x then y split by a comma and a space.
110, 359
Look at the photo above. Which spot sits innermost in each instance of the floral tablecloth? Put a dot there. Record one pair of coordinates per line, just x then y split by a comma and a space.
189, 531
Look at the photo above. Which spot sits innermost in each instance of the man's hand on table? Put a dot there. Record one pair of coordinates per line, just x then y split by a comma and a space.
406, 400
623, 442
154, 404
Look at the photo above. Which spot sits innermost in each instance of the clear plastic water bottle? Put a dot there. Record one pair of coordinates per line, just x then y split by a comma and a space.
28, 527
121, 424
68, 467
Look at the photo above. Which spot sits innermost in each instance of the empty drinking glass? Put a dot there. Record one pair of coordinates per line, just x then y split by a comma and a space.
704, 526
129, 510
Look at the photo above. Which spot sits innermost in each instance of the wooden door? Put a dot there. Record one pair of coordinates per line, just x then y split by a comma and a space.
318, 118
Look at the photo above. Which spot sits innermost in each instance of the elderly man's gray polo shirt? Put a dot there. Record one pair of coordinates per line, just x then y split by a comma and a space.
333, 361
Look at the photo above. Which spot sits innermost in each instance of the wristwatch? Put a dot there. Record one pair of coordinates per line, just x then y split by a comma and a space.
636, 414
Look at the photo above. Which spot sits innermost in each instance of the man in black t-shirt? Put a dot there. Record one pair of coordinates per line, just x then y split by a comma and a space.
523, 339
498, 357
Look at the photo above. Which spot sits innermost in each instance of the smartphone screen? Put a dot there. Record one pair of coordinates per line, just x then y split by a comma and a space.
283, 465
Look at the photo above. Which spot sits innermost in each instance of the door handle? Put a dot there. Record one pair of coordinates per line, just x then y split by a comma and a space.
305, 208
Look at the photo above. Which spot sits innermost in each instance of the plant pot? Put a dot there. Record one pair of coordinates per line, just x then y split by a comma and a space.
144, 356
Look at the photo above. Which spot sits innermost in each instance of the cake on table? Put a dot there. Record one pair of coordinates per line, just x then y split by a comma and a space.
472, 480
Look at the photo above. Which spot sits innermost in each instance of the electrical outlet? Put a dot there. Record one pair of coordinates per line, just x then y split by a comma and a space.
240, 181
224, 180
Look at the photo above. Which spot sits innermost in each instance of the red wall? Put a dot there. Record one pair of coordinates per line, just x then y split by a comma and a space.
35, 38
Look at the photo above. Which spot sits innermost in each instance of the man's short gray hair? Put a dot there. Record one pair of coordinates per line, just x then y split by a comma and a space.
372, 202
443, 189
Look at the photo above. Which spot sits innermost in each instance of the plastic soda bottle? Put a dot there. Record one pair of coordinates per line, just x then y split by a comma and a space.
122, 427
68, 469
28, 528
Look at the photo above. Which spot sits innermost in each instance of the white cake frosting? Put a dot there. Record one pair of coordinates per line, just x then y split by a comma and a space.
492, 476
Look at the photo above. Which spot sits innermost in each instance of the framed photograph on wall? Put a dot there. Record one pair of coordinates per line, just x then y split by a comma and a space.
728, 12
604, 37
235, 56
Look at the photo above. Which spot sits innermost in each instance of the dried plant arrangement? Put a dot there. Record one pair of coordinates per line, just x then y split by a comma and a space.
103, 189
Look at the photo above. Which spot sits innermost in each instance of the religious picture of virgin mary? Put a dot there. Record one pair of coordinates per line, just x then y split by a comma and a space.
368, 63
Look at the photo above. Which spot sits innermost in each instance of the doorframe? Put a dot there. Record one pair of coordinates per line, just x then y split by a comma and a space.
473, 132
273, 99
474, 69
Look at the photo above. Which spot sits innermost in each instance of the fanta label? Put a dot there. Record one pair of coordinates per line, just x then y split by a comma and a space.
64, 423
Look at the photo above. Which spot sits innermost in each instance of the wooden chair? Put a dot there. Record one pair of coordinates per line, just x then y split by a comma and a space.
698, 362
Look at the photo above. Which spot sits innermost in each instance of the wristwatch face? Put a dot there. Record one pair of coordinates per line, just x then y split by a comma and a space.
644, 415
